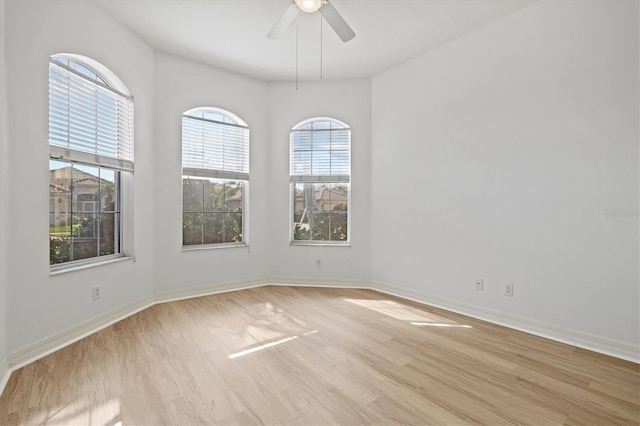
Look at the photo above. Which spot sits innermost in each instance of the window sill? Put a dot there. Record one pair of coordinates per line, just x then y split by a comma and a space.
214, 246
321, 243
59, 270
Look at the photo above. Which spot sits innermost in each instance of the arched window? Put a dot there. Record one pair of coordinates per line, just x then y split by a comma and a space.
90, 149
215, 177
320, 178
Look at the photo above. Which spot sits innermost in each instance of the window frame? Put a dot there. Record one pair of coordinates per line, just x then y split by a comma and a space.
121, 166
339, 179
218, 176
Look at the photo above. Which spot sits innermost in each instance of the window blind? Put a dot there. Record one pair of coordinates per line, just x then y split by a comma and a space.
320, 152
89, 122
214, 149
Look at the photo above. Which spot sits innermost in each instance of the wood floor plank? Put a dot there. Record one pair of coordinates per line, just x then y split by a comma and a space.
317, 356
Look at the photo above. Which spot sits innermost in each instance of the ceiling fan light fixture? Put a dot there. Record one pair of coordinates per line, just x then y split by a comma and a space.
309, 6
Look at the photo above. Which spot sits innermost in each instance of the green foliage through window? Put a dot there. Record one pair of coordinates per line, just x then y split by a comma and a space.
212, 211
320, 212
83, 215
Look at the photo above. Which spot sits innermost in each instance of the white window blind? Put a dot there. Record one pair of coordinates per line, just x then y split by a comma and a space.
213, 148
89, 122
320, 151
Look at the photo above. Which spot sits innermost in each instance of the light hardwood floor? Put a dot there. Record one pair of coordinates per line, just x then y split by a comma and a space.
284, 355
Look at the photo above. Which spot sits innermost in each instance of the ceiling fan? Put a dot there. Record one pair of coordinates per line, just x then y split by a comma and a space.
328, 12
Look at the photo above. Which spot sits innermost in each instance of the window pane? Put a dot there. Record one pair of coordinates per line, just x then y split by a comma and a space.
213, 145
320, 226
220, 213
84, 238
233, 228
59, 248
233, 196
213, 228
86, 189
87, 225
320, 211
321, 125
320, 148
215, 116
192, 195
77, 194
107, 200
191, 228
214, 191
321, 141
60, 226
338, 226
301, 141
83, 249
108, 233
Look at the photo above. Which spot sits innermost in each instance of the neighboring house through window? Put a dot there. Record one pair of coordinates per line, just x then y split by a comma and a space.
320, 177
215, 178
90, 149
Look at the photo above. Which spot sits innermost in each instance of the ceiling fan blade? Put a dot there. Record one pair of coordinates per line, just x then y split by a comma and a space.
284, 22
336, 21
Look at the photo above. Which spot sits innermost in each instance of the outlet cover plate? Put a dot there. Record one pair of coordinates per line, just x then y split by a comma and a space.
508, 290
479, 284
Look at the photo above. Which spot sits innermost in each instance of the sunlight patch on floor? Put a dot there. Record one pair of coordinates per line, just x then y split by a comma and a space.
268, 345
273, 323
106, 413
399, 311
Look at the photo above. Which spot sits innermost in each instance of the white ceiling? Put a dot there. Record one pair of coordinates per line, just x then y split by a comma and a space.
231, 34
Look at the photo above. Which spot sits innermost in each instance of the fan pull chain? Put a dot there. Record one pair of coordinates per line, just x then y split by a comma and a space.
321, 47
296, 55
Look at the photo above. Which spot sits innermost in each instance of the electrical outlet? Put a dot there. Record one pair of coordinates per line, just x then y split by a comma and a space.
479, 284
97, 292
508, 290
318, 263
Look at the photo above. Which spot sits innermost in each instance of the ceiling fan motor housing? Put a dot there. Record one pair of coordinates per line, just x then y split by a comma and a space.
309, 6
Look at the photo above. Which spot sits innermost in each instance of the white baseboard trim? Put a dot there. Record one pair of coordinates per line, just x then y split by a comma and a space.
5, 373
318, 282
30, 353
206, 290
548, 331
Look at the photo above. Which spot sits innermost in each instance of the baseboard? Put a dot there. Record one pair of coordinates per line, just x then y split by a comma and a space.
44, 347
318, 282
548, 331
206, 290
5, 373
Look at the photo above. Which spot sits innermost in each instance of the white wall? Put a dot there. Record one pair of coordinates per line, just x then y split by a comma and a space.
41, 305
348, 101
4, 161
497, 156
180, 86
